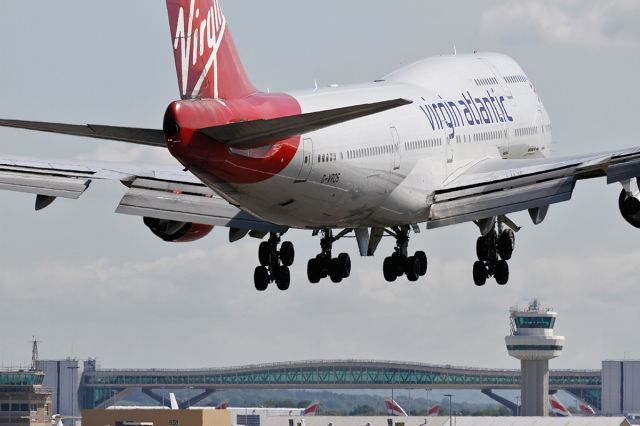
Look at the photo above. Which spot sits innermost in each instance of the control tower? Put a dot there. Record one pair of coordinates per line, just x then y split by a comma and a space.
533, 343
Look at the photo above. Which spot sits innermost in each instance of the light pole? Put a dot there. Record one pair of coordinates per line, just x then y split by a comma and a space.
518, 406
448, 395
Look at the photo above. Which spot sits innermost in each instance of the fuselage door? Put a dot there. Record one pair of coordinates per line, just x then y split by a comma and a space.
307, 161
396, 147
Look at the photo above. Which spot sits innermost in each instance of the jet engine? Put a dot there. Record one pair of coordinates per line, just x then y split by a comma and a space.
177, 232
630, 208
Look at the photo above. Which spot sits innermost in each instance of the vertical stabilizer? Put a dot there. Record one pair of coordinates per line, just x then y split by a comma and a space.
207, 62
393, 408
312, 409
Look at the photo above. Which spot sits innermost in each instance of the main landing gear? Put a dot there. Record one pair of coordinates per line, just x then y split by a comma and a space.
274, 264
494, 249
400, 263
325, 265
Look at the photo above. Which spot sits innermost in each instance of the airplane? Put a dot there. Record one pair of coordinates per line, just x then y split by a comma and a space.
446, 140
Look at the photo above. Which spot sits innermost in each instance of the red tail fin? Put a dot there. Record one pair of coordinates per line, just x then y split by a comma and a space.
207, 61
312, 409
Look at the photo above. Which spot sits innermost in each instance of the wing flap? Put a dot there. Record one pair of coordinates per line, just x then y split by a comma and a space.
123, 134
51, 186
256, 133
186, 205
501, 202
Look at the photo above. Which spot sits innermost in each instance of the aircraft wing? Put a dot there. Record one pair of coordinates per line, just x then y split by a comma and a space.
493, 187
163, 194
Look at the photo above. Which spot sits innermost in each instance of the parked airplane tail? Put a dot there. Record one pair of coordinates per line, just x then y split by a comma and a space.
558, 409
393, 408
434, 411
312, 409
587, 410
207, 62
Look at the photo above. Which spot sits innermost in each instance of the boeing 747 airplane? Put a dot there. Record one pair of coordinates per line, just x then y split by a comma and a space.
446, 140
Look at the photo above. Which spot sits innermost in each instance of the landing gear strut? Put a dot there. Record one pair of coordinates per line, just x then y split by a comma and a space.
325, 265
400, 263
274, 263
493, 250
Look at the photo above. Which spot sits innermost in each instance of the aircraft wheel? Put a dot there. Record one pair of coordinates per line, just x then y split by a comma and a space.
481, 249
283, 278
398, 262
261, 278
345, 264
323, 266
264, 253
313, 271
412, 268
335, 270
389, 269
422, 257
479, 273
506, 244
287, 253
502, 272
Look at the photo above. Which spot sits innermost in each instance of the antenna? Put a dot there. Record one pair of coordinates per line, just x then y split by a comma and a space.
34, 353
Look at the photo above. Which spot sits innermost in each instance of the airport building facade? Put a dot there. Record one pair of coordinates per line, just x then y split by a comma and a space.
620, 387
62, 377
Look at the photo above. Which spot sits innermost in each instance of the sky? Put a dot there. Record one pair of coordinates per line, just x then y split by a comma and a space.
90, 283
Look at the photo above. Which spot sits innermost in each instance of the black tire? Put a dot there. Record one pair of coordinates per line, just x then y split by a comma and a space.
264, 253
283, 278
261, 278
287, 253
335, 270
479, 274
502, 272
323, 266
412, 268
481, 249
506, 244
398, 262
313, 271
345, 264
389, 269
422, 257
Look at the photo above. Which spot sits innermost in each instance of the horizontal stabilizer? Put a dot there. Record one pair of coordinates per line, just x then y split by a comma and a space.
122, 134
256, 133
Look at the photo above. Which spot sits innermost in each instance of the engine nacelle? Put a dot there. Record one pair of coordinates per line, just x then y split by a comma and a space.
177, 232
629, 208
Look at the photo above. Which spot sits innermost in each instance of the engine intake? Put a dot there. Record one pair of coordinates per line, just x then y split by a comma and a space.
177, 232
629, 208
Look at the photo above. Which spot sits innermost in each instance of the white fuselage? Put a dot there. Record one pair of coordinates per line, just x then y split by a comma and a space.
382, 170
